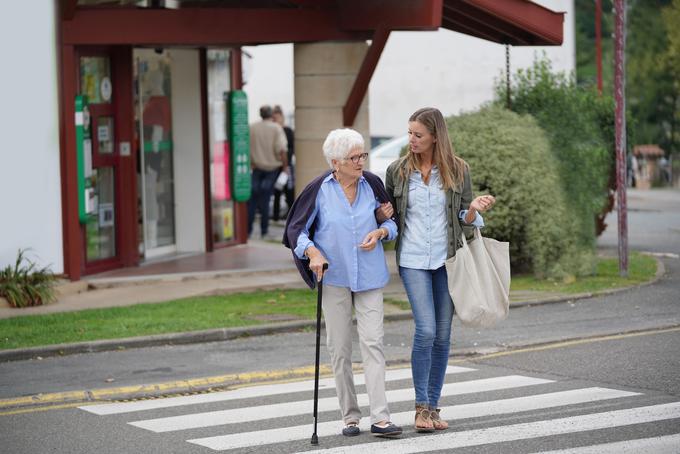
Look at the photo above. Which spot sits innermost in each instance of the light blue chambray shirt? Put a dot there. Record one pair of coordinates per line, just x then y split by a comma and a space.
424, 239
340, 228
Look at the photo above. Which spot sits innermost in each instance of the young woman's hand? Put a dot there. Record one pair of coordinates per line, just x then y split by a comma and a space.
483, 203
383, 213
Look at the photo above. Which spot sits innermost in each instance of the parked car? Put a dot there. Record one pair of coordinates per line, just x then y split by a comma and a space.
384, 154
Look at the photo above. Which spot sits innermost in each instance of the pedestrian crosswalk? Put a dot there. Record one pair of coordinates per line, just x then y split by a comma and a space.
279, 411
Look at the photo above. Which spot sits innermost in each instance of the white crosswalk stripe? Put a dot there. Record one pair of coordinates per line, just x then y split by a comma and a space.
452, 440
238, 415
494, 398
245, 393
669, 444
474, 410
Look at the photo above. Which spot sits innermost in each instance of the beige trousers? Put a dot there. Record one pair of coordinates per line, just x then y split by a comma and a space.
337, 305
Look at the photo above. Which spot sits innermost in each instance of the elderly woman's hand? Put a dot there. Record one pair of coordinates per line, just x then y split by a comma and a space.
483, 203
316, 261
383, 213
372, 239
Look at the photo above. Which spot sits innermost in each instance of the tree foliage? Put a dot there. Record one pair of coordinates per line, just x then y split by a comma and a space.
580, 127
509, 156
652, 91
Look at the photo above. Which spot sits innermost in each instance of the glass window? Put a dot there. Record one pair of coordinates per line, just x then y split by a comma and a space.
222, 205
105, 134
100, 231
95, 79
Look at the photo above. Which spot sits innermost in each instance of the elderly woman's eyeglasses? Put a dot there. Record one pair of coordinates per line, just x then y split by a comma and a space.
357, 158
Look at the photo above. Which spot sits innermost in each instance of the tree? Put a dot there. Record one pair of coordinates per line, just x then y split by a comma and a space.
651, 84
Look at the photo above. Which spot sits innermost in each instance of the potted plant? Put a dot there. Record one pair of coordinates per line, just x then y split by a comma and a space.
25, 284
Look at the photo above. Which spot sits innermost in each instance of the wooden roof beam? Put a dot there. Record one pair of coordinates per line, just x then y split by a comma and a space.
360, 87
204, 26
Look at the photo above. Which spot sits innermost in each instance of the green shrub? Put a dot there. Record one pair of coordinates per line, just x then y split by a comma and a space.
509, 157
25, 285
580, 126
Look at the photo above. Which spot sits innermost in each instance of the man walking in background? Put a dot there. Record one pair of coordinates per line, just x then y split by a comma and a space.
268, 156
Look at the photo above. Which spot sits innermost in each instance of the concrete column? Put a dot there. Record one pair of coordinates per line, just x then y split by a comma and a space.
324, 75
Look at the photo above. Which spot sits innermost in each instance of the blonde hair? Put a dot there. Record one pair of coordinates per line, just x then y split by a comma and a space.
451, 167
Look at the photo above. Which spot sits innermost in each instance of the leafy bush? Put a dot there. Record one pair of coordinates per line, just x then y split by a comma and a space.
509, 157
26, 285
580, 127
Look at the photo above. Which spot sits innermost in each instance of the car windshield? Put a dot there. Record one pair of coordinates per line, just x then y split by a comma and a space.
391, 148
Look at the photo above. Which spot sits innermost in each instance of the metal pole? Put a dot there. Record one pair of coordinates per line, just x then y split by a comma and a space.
620, 122
598, 43
507, 76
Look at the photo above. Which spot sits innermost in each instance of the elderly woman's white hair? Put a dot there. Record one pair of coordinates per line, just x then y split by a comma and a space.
340, 142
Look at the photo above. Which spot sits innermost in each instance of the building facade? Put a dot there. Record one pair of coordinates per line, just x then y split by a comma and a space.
125, 122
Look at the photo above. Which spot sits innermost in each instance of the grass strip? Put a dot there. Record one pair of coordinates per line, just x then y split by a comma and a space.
247, 309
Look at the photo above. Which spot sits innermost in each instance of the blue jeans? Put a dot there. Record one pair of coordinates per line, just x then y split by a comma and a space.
262, 190
432, 308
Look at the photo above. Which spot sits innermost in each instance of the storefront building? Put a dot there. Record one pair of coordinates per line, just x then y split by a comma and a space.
152, 141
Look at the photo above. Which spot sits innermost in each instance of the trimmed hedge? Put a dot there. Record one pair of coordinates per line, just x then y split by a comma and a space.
510, 157
580, 126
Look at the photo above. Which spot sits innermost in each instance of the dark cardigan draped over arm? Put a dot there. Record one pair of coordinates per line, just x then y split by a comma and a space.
302, 209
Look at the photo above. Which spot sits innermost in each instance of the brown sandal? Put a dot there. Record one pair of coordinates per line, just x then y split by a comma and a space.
423, 420
437, 421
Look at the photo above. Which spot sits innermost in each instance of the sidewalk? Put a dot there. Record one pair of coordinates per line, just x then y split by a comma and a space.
259, 265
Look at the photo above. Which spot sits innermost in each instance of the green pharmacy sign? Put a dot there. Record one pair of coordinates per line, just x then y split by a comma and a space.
239, 137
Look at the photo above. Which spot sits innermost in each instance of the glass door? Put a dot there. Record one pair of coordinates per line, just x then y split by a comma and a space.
156, 172
101, 236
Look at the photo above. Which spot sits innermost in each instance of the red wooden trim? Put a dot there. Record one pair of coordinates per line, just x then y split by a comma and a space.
360, 87
203, 26
396, 14
205, 118
69, 169
68, 9
240, 208
544, 24
468, 29
481, 24
123, 94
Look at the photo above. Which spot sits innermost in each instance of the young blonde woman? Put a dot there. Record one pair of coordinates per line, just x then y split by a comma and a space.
431, 193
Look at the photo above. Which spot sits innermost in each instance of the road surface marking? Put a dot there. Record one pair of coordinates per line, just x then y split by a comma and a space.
573, 424
244, 393
451, 413
256, 413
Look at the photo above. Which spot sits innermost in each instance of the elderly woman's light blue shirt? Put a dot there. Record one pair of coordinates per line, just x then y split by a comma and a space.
340, 228
424, 239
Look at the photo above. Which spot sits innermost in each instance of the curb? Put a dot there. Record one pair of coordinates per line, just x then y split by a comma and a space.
223, 334
56, 400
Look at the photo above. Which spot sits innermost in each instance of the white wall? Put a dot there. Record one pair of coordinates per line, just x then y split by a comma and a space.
30, 185
187, 150
444, 69
450, 71
268, 77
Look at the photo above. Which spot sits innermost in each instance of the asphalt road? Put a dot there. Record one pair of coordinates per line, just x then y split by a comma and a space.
617, 342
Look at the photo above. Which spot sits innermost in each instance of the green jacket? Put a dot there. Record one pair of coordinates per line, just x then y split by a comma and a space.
456, 200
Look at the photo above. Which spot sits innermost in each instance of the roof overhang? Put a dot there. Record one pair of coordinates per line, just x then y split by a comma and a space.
233, 22
516, 22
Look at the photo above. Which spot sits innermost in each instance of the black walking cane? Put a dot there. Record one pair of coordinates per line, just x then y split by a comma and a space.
315, 438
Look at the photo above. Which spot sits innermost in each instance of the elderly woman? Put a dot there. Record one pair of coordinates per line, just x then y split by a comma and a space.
334, 221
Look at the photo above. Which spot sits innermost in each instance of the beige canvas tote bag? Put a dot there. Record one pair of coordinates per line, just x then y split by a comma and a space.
479, 281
